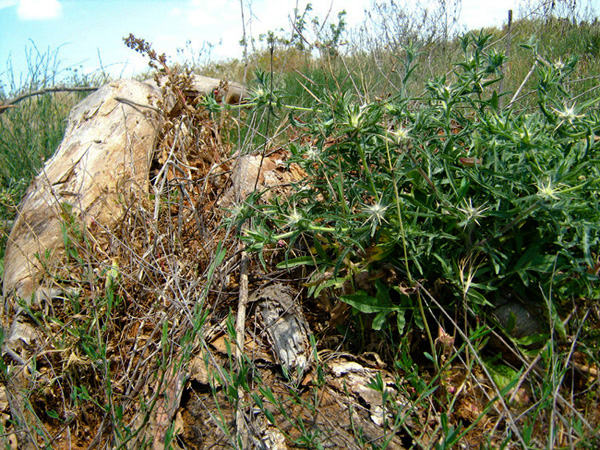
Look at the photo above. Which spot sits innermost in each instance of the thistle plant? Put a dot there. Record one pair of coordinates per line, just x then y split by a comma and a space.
421, 184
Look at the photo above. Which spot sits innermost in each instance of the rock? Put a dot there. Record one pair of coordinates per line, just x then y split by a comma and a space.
519, 320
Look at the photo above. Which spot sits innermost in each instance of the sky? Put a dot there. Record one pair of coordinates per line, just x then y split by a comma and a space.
88, 34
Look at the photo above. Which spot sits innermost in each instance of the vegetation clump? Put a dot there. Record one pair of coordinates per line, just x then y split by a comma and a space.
449, 188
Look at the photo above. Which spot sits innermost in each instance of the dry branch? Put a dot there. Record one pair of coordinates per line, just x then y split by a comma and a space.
12, 102
240, 324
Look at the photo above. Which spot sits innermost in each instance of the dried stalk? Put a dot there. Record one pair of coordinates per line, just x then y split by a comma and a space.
12, 102
240, 324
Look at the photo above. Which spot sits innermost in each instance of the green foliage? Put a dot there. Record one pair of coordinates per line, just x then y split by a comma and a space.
448, 187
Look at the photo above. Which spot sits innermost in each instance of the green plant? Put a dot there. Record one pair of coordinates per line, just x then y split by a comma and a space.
448, 189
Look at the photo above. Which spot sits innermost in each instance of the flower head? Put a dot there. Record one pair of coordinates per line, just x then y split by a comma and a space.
294, 217
356, 115
376, 215
472, 213
400, 134
568, 113
312, 153
547, 191
559, 65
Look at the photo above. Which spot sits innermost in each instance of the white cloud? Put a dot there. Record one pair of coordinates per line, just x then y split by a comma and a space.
202, 13
176, 12
39, 9
7, 3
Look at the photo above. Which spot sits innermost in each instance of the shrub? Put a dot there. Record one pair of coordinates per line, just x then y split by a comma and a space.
447, 191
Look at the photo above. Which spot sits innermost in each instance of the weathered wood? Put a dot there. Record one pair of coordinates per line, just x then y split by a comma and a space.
105, 153
252, 172
286, 329
228, 92
103, 160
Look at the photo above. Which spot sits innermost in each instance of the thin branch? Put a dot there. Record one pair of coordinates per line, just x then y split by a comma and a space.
240, 326
522, 85
11, 103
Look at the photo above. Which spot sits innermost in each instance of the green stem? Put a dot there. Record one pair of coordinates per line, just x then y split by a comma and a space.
314, 228
399, 211
340, 185
290, 107
404, 247
363, 158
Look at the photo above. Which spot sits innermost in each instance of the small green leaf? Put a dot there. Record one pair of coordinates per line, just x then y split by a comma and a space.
336, 283
367, 304
297, 262
477, 298
559, 326
382, 294
494, 100
533, 339
380, 320
501, 374
400, 321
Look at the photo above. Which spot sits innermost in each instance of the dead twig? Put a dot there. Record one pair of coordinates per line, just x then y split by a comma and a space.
242, 431
12, 102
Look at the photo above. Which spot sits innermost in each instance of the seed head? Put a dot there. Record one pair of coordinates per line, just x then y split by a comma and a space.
472, 213
376, 213
547, 191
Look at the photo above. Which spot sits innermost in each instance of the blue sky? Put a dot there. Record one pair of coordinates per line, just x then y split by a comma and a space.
90, 32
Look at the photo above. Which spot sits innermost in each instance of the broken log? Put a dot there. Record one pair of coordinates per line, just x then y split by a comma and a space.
105, 153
